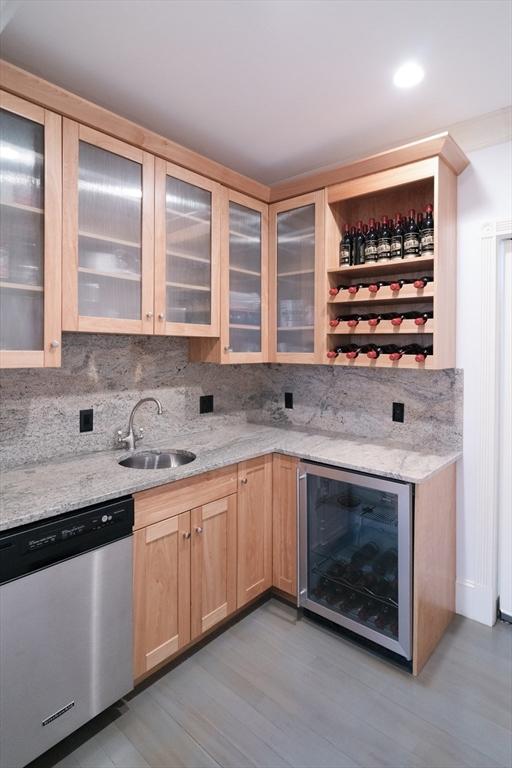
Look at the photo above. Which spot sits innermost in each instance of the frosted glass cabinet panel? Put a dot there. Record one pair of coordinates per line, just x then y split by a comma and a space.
109, 221
30, 242
297, 227
187, 221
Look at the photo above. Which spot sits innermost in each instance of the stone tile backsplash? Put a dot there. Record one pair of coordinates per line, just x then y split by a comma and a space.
39, 409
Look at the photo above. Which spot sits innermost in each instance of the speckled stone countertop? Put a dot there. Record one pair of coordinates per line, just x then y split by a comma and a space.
38, 491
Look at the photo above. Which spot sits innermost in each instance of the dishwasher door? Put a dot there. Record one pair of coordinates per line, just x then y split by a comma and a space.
65, 648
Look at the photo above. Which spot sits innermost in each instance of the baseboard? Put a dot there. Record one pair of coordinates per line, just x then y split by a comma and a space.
476, 602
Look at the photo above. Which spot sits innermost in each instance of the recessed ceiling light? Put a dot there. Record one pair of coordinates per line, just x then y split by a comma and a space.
408, 75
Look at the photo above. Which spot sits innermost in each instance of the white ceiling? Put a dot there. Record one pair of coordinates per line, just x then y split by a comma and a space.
271, 88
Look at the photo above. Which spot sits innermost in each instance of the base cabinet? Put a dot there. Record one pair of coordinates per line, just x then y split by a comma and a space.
161, 591
213, 568
254, 574
284, 523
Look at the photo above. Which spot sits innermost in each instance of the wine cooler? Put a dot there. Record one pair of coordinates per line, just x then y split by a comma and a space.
355, 553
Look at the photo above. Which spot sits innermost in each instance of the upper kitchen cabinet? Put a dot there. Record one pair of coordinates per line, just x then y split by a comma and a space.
244, 285
30, 234
108, 233
297, 278
187, 252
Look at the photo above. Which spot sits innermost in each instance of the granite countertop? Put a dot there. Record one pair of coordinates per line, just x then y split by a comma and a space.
38, 491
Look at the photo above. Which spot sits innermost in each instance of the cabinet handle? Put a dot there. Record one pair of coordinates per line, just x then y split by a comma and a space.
161, 316
187, 535
244, 481
199, 529
149, 315
55, 344
228, 349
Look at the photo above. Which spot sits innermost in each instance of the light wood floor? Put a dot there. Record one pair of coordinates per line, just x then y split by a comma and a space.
272, 691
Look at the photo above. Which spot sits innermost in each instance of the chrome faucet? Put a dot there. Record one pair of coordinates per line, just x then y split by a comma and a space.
130, 440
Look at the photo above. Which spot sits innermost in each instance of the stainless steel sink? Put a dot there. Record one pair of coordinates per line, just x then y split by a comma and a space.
158, 459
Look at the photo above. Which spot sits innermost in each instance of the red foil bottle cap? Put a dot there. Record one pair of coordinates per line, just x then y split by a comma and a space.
372, 354
419, 284
333, 291
373, 288
395, 356
420, 358
332, 354
353, 289
352, 323
334, 323
373, 321
352, 355
420, 320
395, 286
396, 321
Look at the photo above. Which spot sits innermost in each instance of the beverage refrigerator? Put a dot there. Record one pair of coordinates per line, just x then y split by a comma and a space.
355, 553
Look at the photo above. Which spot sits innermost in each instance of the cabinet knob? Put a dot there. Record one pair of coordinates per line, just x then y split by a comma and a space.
55, 344
228, 349
244, 481
199, 529
187, 535
161, 316
149, 315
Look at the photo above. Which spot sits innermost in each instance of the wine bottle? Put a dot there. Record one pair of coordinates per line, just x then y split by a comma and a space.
353, 289
345, 248
365, 554
397, 285
420, 318
411, 236
352, 245
335, 290
384, 244
419, 222
335, 321
422, 354
373, 319
427, 233
376, 286
371, 245
421, 282
360, 243
397, 239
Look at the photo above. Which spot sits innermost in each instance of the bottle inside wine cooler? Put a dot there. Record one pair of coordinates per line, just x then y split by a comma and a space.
345, 247
411, 236
427, 233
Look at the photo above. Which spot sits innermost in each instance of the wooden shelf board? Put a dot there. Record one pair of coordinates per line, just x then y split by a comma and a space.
22, 207
107, 239
188, 257
385, 267
384, 327
243, 271
188, 287
115, 275
384, 296
21, 286
383, 362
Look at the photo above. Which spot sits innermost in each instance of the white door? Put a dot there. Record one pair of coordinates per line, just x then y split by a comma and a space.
505, 429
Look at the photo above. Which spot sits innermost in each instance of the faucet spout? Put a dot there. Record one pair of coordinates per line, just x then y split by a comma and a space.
130, 439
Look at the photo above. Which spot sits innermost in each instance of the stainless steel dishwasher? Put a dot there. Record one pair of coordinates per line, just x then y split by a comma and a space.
65, 625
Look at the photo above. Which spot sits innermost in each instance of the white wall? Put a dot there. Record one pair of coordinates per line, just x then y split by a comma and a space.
484, 195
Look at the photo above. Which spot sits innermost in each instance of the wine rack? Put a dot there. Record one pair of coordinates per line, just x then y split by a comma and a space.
386, 192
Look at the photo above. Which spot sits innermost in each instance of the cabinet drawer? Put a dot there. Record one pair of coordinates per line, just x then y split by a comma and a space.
173, 498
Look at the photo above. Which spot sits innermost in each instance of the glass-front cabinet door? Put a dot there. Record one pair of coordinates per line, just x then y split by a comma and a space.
30, 234
187, 252
108, 234
297, 271
355, 555
244, 279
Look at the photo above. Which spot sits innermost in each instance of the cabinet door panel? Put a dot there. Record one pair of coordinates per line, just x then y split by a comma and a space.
30, 239
284, 540
187, 252
254, 521
213, 573
161, 591
108, 227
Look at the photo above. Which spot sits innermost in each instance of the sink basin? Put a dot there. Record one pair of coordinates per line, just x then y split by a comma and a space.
158, 459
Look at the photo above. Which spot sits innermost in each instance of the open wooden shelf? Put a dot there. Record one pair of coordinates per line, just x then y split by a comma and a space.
20, 286
384, 327
397, 266
21, 207
384, 362
384, 295
115, 275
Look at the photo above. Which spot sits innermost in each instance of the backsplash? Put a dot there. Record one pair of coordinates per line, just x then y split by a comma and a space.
39, 414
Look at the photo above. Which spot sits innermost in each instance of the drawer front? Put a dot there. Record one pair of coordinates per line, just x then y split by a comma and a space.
171, 499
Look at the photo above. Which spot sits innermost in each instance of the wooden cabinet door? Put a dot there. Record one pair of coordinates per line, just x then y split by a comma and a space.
187, 252
161, 591
108, 233
30, 242
254, 522
213, 567
297, 327
284, 516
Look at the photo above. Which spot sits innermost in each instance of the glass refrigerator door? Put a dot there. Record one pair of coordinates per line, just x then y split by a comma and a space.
355, 562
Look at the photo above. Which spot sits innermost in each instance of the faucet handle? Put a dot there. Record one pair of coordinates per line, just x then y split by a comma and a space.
140, 435
120, 438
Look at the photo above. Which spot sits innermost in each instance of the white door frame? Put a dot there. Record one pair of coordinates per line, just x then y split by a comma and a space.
487, 520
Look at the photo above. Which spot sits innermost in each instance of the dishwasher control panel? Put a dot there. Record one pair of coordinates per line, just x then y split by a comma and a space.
38, 545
